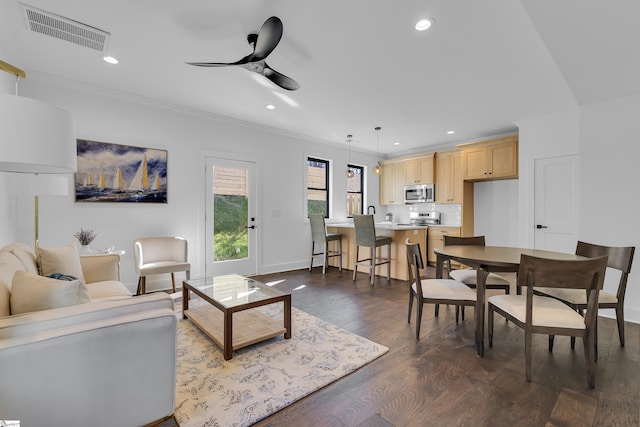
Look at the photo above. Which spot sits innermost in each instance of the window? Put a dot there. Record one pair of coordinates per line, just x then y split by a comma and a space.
355, 184
317, 186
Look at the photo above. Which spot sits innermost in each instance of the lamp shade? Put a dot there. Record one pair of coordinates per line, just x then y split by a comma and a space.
49, 185
35, 137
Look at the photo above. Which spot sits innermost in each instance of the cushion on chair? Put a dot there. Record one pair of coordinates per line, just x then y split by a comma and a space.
577, 296
30, 292
383, 240
162, 267
108, 289
546, 311
65, 260
445, 289
469, 277
334, 236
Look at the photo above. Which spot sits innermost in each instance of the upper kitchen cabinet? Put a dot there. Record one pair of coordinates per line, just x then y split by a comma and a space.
449, 182
490, 160
418, 170
392, 183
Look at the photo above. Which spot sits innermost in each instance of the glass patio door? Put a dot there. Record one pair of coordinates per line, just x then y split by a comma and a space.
230, 217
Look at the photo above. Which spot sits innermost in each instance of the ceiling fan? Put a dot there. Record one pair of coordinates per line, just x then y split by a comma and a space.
263, 44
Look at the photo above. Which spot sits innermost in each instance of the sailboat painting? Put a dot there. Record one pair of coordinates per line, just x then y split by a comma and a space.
120, 173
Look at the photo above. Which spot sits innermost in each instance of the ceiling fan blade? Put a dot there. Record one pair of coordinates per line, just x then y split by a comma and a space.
268, 38
208, 64
280, 79
242, 61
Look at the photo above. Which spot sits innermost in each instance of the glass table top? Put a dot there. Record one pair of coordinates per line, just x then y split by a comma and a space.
233, 290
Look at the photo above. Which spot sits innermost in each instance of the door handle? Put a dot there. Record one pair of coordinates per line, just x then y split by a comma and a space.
541, 226
250, 226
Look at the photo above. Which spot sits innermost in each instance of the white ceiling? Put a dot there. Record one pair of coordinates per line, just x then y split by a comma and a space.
484, 65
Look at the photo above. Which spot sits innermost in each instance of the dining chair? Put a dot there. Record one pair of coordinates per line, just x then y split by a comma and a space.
620, 258
468, 276
320, 237
159, 255
366, 237
536, 314
432, 291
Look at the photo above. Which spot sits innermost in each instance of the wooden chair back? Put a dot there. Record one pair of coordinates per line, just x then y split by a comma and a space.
620, 258
458, 241
414, 265
587, 274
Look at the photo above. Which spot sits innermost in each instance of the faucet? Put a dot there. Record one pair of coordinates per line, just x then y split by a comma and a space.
369, 208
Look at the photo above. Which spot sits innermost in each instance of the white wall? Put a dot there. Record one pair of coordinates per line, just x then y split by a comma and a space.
541, 137
496, 211
606, 138
610, 202
284, 240
7, 85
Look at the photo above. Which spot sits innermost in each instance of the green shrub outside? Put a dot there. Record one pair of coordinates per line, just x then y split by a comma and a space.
230, 237
316, 207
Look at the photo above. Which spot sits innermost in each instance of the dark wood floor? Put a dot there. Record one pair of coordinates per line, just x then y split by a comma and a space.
439, 381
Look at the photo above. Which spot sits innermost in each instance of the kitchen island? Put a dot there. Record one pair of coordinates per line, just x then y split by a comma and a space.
398, 233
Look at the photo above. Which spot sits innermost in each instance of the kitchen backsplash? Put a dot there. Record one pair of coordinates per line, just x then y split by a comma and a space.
450, 214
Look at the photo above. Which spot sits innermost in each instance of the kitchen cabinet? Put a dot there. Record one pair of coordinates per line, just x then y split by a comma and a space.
419, 170
449, 182
392, 183
490, 160
435, 239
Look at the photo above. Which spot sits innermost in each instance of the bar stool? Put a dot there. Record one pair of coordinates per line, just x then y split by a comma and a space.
366, 236
320, 236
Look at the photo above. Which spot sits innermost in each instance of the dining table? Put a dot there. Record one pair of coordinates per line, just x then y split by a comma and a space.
489, 259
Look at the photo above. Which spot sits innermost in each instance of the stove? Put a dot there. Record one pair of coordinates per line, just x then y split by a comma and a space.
424, 218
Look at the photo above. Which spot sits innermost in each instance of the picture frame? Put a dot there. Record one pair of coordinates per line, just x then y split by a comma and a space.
116, 173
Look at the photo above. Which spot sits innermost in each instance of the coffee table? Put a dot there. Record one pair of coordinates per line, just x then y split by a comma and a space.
234, 294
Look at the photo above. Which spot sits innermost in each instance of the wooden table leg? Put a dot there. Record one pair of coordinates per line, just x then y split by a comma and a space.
287, 316
481, 279
185, 300
228, 335
439, 266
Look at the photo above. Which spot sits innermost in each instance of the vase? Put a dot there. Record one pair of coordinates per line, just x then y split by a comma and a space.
85, 249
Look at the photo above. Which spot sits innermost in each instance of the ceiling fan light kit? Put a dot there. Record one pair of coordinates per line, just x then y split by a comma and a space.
263, 44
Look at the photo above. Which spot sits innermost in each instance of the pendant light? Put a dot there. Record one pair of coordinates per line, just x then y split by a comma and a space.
377, 169
349, 172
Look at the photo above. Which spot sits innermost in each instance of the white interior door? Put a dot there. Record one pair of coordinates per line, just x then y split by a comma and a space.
556, 203
230, 215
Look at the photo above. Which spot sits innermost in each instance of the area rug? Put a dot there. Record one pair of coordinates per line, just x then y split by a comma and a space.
263, 378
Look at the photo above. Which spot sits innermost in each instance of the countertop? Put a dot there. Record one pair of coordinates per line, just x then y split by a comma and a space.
387, 225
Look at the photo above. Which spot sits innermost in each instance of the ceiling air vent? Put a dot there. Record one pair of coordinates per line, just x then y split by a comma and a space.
59, 27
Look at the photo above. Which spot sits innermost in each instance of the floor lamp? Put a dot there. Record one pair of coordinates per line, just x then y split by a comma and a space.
35, 137
45, 185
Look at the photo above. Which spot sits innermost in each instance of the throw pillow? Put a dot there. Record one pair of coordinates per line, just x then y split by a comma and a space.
30, 292
65, 260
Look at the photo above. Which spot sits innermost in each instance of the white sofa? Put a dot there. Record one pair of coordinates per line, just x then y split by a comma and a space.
107, 362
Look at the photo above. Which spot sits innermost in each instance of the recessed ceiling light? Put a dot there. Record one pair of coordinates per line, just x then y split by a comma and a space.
396, 143
110, 59
451, 132
270, 107
425, 24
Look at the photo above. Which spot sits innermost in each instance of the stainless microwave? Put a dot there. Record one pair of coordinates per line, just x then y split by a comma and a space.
419, 193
